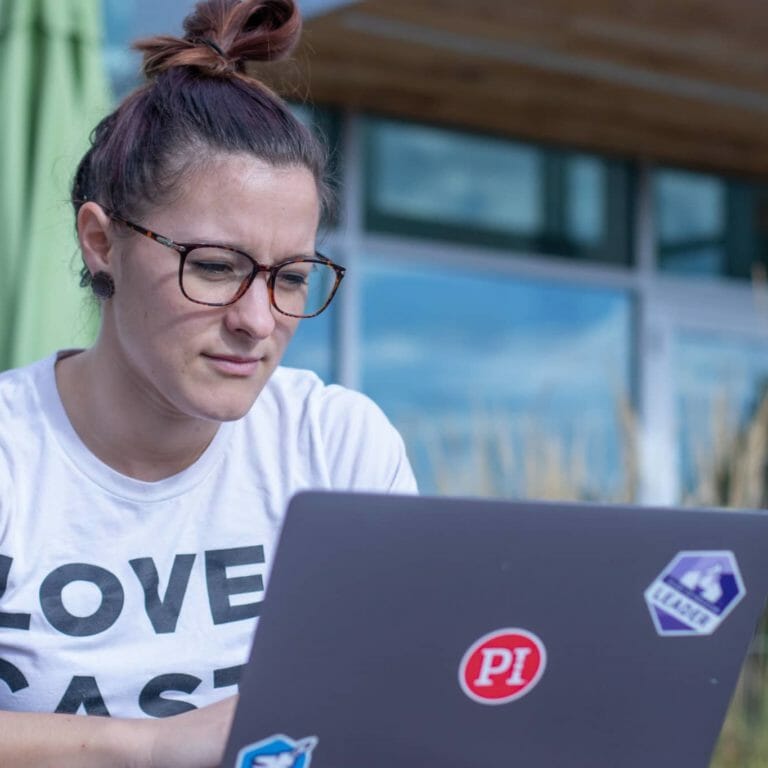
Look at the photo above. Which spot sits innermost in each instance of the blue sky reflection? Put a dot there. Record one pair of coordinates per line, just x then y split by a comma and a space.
463, 348
721, 379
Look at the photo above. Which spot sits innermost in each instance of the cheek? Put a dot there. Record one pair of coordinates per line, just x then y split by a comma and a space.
285, 328
148, 279
153, 289
157, 327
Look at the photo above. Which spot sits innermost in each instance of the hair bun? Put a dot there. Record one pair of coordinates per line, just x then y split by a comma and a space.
222, 36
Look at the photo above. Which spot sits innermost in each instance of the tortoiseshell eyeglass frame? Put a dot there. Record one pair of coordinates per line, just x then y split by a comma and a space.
184, 249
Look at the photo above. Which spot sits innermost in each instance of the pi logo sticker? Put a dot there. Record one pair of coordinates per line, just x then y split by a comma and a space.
277, 752
694, 593
502, 666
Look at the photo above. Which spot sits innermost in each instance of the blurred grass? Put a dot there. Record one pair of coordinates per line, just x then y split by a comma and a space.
743, 741
733, 472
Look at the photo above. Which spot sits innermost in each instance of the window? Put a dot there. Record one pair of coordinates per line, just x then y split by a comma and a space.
722, 380
432, 182
501, 386
711, 226
312, 345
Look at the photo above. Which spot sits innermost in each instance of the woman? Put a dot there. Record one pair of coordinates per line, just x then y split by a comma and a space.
143, 480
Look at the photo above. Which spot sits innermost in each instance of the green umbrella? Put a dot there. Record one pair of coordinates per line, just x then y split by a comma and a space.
53, 91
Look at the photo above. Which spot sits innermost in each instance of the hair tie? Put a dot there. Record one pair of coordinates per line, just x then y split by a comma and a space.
214, 47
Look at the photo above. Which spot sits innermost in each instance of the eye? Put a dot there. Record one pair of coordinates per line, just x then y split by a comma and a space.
210, 270
294, 276
213, 264
291, 278
212, 267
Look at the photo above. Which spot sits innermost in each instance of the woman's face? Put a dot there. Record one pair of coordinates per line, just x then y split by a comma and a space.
191, 360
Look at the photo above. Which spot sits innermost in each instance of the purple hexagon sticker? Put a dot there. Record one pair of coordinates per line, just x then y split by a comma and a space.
694, 593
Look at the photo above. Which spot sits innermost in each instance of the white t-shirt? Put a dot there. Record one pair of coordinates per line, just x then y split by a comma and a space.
136, 599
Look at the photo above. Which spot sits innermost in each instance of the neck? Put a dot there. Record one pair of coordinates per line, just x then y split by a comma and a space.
124, 427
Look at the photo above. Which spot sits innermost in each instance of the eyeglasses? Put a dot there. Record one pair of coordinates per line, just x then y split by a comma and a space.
218, 275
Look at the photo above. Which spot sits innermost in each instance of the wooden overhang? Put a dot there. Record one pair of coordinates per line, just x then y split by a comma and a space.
682, 82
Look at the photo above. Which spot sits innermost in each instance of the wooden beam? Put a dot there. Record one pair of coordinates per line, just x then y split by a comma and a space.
682, 82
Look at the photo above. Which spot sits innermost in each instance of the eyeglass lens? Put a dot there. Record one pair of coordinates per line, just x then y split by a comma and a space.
214, 276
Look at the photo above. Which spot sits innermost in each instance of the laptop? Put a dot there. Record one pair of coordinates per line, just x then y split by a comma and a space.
465, 633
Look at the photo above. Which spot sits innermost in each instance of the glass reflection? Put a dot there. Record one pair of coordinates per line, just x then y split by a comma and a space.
441, 176
445, 185
312, 345
691, 220
722, 381
501, 387
586, 190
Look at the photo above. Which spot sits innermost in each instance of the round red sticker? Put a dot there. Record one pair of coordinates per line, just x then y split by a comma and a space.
502, 666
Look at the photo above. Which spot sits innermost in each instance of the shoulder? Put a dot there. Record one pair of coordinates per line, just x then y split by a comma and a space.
304, 391
359, 445
17, 384
335, 407
21, 422
292, 385
20, 398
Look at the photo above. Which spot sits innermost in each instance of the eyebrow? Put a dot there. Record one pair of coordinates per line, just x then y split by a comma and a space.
190, 244
239, 247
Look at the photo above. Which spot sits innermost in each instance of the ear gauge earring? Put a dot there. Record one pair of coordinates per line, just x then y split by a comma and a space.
103, 286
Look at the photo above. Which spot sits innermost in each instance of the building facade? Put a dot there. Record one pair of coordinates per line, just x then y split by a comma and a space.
538, 319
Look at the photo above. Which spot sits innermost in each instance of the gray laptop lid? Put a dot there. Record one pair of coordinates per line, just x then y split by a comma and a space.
458, 633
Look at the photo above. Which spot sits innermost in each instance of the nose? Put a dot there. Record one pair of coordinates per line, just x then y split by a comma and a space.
252, 314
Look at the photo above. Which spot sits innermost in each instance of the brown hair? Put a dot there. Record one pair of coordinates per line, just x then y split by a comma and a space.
198, 100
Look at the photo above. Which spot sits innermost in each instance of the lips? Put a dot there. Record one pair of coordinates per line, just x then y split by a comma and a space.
234, 359
234, 365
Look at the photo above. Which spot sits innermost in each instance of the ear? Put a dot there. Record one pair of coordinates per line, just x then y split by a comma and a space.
94, 231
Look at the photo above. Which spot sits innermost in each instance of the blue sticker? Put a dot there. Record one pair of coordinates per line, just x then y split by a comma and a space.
277, 752
694, 593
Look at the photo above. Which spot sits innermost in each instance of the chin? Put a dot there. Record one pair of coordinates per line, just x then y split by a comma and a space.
227, 406
235, 414
224, 410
